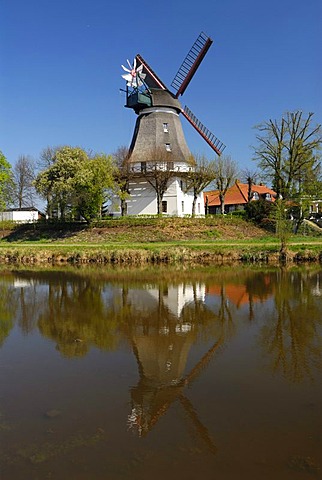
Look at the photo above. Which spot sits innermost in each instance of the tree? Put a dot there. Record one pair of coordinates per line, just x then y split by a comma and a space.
226, 172
286, 149
57, 181
250, 177
260, 212
91, 183
5, 181
75, 182
23, 177
122, 176
46, 159
203, 172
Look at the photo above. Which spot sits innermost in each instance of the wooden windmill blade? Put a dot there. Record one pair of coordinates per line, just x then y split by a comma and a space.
201, 429
207, 135
191, 63
152, 80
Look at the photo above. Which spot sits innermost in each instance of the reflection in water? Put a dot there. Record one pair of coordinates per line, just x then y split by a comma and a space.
161, 342
162, 320
290, 335
7, 311
177, 331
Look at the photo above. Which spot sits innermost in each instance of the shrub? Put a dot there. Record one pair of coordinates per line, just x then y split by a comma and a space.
259, 211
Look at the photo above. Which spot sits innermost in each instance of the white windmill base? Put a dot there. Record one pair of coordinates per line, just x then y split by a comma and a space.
176, 202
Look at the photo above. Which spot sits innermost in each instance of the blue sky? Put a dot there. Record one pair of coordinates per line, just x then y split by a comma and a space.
60, 74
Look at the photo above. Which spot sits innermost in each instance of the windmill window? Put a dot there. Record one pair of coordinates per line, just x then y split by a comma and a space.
198, 207
170, 165
165, 128
182, 206
164, 206
168, 147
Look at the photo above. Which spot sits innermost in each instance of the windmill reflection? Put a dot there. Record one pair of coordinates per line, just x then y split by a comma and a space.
161, 340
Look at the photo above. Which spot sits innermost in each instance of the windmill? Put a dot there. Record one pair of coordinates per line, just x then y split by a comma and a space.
158, 128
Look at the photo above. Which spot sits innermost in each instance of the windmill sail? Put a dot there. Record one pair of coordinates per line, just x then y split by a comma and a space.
191, 63
151, 79
210, 138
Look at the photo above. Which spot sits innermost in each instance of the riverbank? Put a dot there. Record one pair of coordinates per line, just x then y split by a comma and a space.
155, 241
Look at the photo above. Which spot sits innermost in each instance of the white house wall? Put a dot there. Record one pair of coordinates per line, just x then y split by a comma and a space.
25, 216
143, 201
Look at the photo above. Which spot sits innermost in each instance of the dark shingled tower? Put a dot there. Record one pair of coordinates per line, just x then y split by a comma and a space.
158, 125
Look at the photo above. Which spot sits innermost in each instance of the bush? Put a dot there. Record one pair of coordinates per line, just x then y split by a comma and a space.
259, 211
238, 214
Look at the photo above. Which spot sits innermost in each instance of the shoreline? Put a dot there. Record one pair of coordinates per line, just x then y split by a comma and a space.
155, 255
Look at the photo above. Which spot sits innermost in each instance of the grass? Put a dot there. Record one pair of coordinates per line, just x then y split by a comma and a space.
151, 239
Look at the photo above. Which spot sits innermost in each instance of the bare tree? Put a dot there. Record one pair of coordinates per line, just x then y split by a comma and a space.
47, 157
23, 177
202, 173
250, 177
286, 148
226, 173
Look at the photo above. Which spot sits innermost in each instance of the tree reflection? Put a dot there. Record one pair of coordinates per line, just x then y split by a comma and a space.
291, 335
162, 319
76, 316
7, 311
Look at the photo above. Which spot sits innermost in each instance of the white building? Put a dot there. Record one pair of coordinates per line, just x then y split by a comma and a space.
21, 215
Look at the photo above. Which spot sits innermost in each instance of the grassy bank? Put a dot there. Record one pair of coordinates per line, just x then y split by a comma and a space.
154, 241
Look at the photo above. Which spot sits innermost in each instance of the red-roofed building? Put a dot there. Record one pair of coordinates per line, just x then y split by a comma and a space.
237, 197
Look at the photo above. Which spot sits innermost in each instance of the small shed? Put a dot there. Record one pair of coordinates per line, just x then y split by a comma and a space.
22, 215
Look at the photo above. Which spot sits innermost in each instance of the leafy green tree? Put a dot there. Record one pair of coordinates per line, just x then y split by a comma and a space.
203, 172
286, 149
76, 182
57, 181
5, 182
91, 184
283, 225
260, 212
122, 176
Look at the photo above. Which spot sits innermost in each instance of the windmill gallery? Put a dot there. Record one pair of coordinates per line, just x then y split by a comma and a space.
158, 156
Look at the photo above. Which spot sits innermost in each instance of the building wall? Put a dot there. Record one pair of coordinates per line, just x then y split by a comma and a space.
24, 216
143, 199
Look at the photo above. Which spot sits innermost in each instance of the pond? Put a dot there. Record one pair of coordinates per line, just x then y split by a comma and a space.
120, 374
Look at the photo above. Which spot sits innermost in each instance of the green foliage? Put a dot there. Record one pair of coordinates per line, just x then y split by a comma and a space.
238, 213
259, 211
5, 181
283, 223
75, 183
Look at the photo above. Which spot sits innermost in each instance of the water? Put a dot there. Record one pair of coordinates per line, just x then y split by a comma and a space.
177, 374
